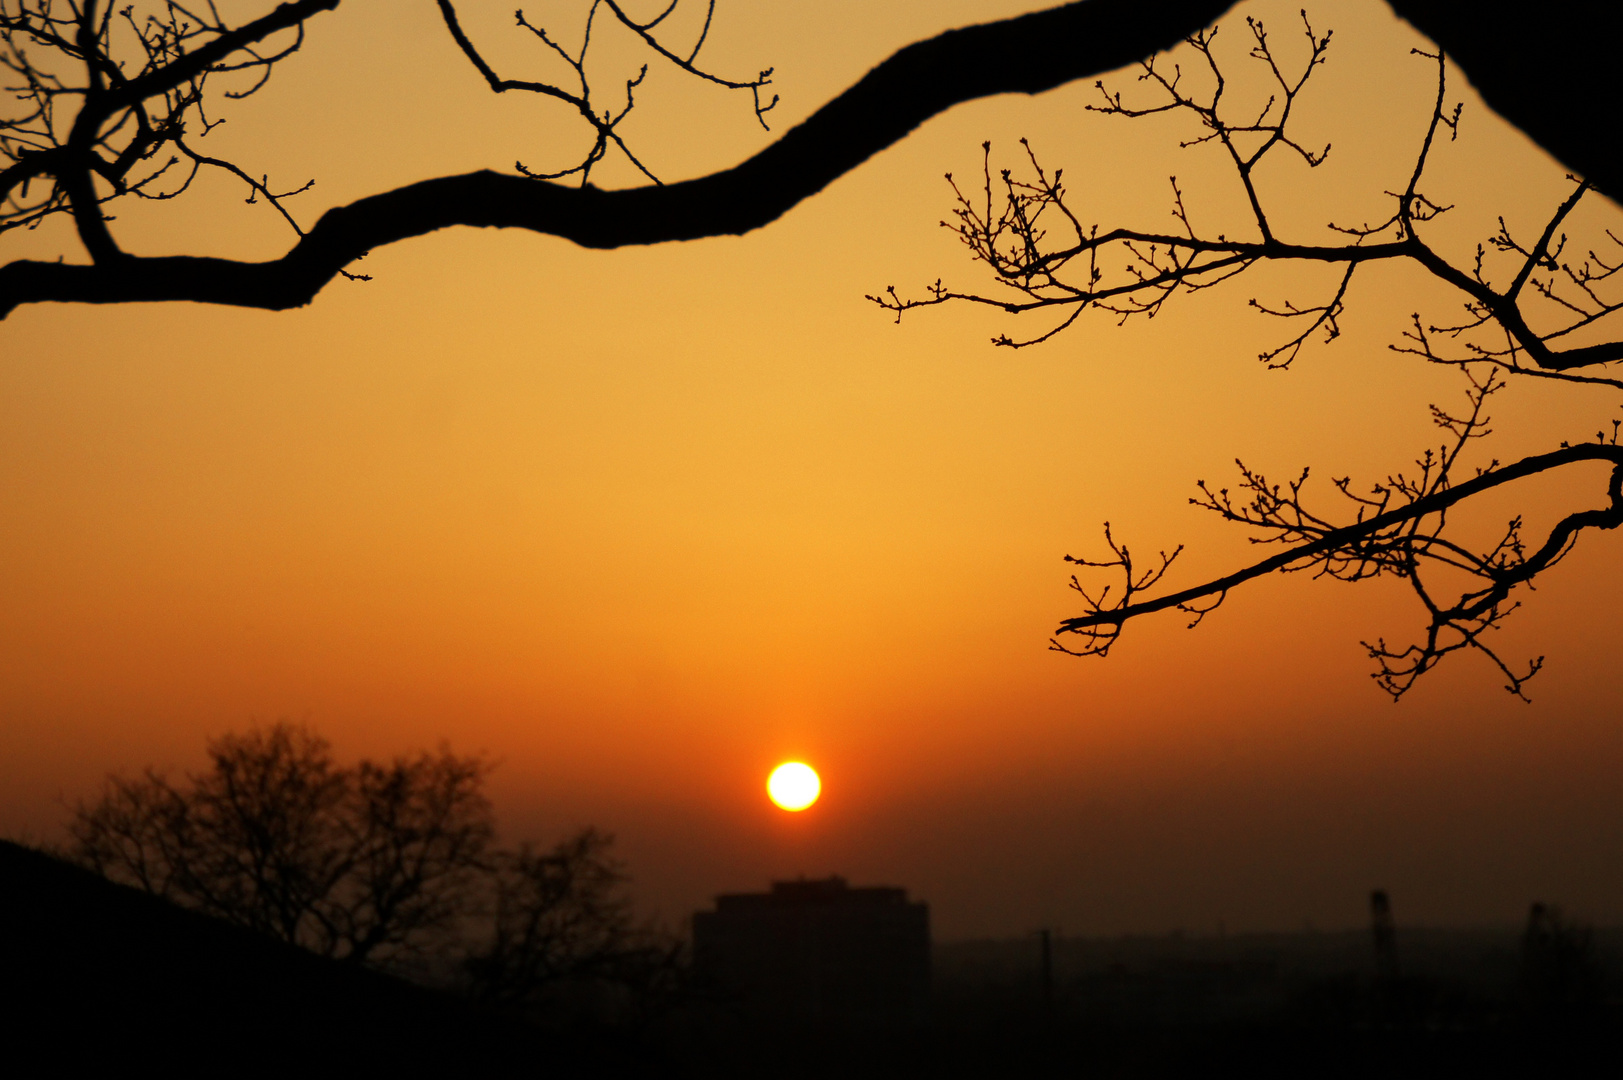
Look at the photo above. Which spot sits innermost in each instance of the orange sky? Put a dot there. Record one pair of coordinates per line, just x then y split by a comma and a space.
641, 524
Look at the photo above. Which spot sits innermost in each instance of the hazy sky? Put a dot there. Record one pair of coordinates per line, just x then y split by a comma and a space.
641, 524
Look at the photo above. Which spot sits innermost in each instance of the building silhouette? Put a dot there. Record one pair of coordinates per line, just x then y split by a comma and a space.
819, 953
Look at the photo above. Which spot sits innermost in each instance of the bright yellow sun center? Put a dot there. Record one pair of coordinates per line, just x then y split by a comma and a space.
794, 786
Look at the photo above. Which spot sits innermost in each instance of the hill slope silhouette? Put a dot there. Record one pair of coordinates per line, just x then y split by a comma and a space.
102, 975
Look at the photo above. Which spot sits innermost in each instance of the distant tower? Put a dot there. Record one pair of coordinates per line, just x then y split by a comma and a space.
819, 953
1386, 937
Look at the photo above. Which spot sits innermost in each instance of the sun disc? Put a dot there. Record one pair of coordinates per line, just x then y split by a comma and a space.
794, 785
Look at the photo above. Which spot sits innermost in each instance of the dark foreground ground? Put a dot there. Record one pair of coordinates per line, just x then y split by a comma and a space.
99, 979
1304, 1005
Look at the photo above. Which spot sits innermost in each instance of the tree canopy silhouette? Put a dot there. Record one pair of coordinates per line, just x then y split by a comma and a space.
389, 865
366, 864
114, 102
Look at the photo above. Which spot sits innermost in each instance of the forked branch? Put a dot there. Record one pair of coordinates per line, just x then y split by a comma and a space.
1400, 542
1530, 310
1046, 256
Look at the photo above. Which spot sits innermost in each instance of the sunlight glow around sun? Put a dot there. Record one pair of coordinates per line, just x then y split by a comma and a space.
794, 785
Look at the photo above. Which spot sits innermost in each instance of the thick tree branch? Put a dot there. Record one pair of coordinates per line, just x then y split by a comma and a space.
1549, 68
1511, 57
1029, 54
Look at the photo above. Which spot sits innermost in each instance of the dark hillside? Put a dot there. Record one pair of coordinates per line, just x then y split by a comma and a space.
97, 975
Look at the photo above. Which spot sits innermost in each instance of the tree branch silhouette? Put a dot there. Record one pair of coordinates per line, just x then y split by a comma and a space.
1015, 242
179, 51
607, 121
1518, 321
1028, 54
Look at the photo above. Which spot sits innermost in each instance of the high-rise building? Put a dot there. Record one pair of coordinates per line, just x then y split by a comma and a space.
819, 953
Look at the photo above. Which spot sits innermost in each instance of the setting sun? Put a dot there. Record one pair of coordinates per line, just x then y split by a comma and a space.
794, 786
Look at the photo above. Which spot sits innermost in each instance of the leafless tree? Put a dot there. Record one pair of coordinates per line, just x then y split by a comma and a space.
373, 864
116, 102
560, 925
1536, 307
391, 865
